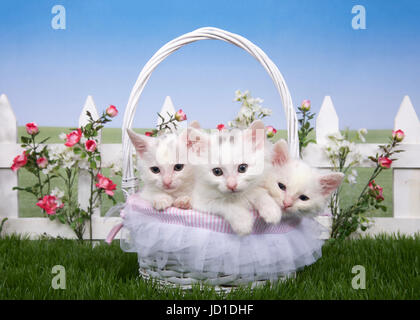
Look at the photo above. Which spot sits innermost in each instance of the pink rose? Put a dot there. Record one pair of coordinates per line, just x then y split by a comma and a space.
398, 135
180, 115
90, 145
377, 190
385, 162
112, 111
19, 161
32, 128
306, 105
149, 133
106, 184
220, 127
42, 162
271, 131
73, 138
49, 204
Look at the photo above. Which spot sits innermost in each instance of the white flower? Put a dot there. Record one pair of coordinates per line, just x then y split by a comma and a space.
62, 136
57, 193
352, 177
49, 168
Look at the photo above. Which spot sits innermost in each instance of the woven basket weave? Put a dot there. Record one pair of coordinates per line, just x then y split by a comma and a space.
148, 267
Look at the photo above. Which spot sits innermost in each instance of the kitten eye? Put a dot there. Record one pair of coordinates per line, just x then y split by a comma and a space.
282, 186
217, 171
178, 167
155, 169
303, 197
242, 168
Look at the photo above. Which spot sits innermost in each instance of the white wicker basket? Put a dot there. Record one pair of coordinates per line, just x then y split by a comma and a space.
171, 274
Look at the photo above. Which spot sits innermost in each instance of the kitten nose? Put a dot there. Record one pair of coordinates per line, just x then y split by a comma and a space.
287, 204
167, 182
231, 184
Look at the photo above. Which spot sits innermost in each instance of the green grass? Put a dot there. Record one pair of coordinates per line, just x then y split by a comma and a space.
113, 135
106, 272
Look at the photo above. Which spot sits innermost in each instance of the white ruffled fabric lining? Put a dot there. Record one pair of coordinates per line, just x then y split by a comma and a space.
265, 256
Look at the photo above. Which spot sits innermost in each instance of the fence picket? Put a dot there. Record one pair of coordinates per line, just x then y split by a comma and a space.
8, 143
406, 181
84, 176
407, 120
326, 121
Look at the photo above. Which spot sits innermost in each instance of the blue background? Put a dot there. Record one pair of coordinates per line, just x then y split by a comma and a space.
48, 73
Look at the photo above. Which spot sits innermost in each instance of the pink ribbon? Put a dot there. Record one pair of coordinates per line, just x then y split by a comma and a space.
114, 231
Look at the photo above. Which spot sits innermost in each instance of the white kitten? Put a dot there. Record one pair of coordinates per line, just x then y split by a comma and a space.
166, 182
295, 186
231, 187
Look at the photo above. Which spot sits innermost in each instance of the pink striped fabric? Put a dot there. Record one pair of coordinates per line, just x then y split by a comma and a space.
197, 219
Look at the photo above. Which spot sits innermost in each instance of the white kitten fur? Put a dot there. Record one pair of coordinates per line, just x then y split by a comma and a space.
232, 194
166, 186
306, 189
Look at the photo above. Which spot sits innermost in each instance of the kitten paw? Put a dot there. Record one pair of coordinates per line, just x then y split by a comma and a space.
183, 202
243, 226
270, 214
162, 203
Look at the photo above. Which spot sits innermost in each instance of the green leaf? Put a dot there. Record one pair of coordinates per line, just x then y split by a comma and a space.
93, 164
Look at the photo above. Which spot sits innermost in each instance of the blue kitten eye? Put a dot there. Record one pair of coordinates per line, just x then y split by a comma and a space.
155, 169
303, 197
178, 167
282, 186
242, 168
217, 171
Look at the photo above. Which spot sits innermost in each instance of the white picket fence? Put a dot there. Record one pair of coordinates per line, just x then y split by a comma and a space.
406, 173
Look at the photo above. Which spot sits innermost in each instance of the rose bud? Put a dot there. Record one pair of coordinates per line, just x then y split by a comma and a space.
32, 128
90, 145
385, 162
271, 131
180, 115
42, 162
112, 111
398, 135
220, 127
306, 105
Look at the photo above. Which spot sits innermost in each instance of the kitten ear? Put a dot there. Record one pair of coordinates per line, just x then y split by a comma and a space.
330, 182
195, 124
257, 133
280, 153
140, 142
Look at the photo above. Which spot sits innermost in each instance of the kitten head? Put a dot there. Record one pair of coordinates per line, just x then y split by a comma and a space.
159, 166
234, 160
295, 186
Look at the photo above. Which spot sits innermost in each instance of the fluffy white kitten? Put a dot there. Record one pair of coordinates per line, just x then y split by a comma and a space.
166, 183
233, 188
295, 186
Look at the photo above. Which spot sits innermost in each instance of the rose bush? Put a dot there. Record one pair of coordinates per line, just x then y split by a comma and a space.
48, 162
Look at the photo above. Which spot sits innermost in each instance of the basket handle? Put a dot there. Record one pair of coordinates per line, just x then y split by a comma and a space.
129, 181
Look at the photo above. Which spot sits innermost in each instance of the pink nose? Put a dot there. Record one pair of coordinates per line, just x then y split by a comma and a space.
167, 182
287, 204
232, 186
